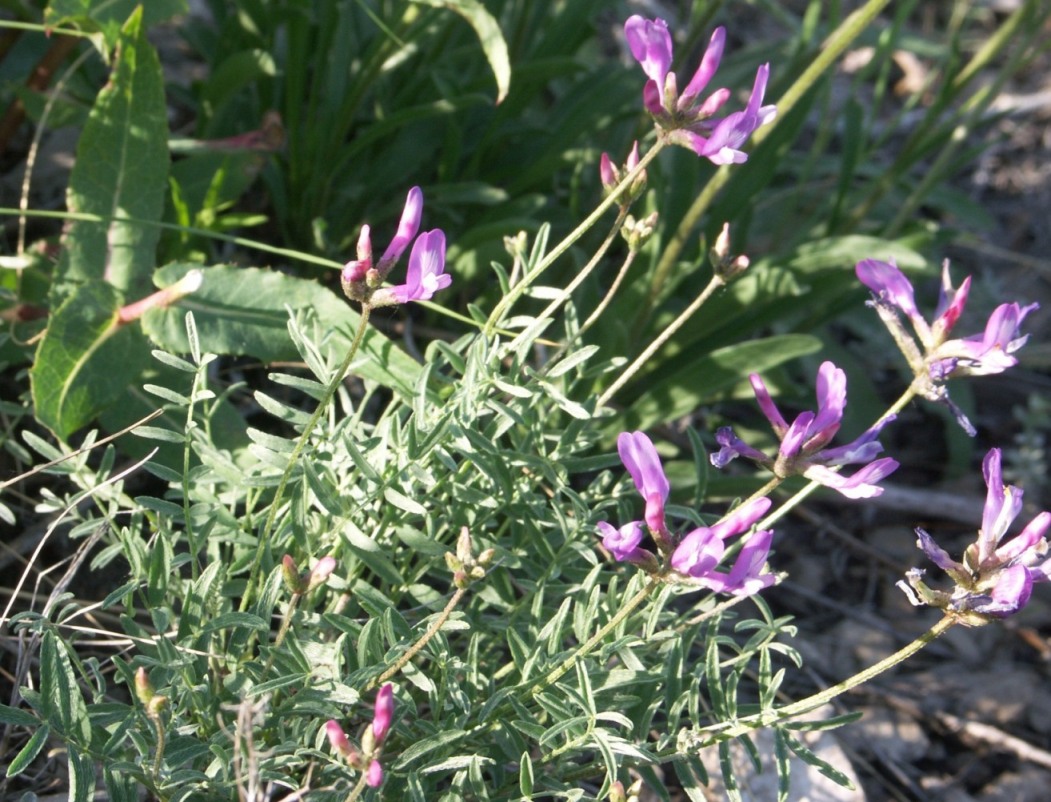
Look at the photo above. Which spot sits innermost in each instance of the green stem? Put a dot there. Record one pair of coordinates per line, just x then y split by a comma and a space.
837, 42
359, 787
304, 437
726, 731
582, 274
549, 259
597, 313
439, 622
158, 758
715, 283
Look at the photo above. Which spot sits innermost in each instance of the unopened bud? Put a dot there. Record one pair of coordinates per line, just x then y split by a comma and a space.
460, 579
338, 739
320, 573
617, 793
463, 546
516, 245
638, 232
143, 687
724, 265
290, 575
486, 557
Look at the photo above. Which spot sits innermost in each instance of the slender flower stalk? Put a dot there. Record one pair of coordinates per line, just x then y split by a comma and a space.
714, 284
612, 198
705, 737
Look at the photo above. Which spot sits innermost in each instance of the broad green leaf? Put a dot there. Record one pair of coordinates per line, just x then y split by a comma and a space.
488, 30
60, 695
244, 310
703, 380
86, 360
107, 16
121, 172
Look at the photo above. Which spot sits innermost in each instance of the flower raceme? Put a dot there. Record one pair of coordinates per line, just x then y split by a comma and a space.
803, 442
694, 558
935, 358
426, 275
368, 759
688, 123
995, 578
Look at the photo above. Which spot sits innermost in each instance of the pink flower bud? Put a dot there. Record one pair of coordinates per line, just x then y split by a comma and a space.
374, 775
384, 712
338, 739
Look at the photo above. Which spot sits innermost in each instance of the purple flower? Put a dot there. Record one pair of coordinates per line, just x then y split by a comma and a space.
701, 550
622, 543
730, 133
803, 442
374, 774
934, 359
426, 274
360, 278
640, 458
995, 578
746, 577
691, 124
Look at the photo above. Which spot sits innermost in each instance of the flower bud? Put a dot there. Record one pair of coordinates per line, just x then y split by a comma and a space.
638, 232
383, 712
724, 265
290, 575
143, 687
320, 573
616, 792
338, 739
374, 775
463, 546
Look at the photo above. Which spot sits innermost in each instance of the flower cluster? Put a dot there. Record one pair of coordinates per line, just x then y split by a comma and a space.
368, 759
695, 557
803, 442
992, 580
935, 358
686, 121
361, 279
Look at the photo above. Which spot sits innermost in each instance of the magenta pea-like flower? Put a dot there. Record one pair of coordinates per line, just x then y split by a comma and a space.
932, 356
383, 713
694, 558
995, 577
426, 275
686, 121
700, 552
803, 449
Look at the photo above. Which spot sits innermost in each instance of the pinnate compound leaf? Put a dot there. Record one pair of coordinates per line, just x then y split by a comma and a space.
244, 311
121, 172
60, 697
86, 360
492, 39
